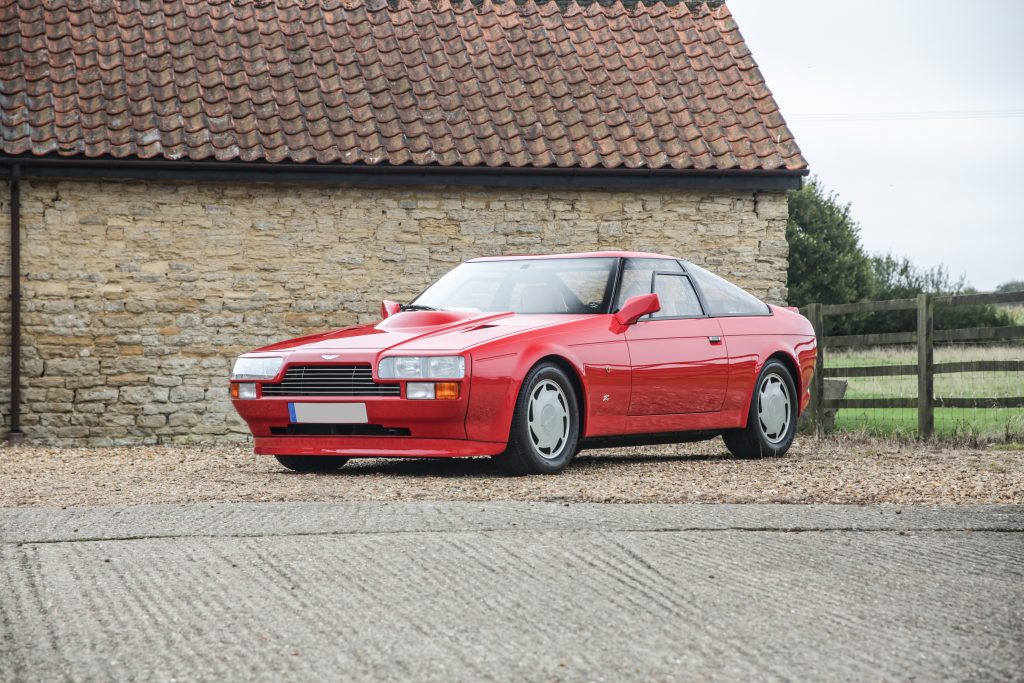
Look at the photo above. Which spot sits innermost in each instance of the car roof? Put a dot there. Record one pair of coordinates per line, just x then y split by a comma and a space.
586, 254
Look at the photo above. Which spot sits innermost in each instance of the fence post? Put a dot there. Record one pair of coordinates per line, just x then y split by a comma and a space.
925, 366
818, 382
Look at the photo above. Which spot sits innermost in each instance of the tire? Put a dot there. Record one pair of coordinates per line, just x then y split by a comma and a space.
545, 425
771, 423
312, 463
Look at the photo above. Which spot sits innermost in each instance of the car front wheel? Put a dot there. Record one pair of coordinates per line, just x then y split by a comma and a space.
545, 425
771, 423
312, 463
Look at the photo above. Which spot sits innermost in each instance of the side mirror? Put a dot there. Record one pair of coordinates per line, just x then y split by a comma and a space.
637, 307
389, 308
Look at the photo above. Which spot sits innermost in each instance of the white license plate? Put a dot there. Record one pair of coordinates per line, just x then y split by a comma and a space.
328, 413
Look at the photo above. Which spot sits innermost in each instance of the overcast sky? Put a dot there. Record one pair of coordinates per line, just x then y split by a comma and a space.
936, 185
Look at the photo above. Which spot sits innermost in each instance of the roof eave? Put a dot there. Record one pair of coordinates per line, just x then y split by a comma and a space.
54, 166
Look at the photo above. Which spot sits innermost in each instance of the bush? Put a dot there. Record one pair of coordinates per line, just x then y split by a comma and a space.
900, 279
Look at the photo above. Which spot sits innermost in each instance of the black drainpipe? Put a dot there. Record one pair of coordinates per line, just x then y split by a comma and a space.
15, 435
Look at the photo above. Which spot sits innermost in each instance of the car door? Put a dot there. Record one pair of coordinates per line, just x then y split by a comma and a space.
679, 361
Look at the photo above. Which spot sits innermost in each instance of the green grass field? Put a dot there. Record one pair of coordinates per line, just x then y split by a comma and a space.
979, 423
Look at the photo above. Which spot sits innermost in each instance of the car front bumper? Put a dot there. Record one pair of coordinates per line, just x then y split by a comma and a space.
409, 428
375, 446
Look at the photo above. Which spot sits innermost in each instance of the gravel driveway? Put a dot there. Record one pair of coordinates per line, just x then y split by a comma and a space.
825, 471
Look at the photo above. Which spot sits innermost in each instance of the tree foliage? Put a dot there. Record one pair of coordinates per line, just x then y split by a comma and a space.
826, 261
828, 265
899, 278
1011, 286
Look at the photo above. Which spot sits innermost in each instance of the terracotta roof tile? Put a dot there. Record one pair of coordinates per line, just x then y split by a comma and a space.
477, 83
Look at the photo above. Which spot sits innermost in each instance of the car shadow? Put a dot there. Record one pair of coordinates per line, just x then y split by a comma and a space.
654, 457
488, 467
423, 467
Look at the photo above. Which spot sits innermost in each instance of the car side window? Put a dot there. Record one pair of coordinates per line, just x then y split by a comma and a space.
723, 298
677, 296
638, 276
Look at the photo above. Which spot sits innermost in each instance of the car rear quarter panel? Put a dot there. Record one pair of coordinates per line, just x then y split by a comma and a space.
753, 340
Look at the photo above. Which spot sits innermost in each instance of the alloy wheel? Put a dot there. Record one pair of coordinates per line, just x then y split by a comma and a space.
773, 408
548, 419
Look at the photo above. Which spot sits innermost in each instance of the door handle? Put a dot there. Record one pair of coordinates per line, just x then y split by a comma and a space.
715, 339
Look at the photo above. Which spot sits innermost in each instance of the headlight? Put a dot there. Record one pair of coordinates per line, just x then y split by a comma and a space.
422, 367
266, 367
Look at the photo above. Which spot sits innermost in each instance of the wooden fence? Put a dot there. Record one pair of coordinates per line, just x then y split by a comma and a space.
925, 337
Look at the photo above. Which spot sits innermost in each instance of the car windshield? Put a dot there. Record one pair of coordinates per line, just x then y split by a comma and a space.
558, 285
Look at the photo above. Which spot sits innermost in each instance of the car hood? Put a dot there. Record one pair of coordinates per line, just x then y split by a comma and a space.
422, 331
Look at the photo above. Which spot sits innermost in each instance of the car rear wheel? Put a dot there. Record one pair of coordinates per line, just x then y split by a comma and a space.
312, 463
545, 425
771, 423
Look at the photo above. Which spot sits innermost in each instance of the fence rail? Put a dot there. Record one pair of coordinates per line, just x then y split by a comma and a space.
937, 368
925, 369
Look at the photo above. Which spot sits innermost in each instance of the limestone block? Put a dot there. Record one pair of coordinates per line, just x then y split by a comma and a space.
143, 395
151, 421
100, 393
186, 394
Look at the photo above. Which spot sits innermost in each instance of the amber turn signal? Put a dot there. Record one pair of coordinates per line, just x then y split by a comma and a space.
446, 391
243, 390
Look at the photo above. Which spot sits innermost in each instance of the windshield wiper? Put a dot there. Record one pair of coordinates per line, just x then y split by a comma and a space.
417, 307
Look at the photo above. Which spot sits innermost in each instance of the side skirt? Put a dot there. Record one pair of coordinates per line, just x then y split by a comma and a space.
646, 439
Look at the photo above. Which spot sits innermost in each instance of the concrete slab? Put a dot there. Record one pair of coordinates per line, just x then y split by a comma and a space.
511, 592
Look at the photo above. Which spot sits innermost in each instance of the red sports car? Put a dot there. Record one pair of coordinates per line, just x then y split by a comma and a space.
532, 358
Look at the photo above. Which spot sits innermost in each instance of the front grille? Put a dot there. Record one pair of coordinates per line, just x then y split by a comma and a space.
338, 430
330, 380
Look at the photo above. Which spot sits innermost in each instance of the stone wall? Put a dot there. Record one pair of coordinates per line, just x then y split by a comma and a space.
137, 296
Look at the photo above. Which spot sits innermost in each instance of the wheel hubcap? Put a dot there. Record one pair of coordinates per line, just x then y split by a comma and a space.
548, 419
773, 408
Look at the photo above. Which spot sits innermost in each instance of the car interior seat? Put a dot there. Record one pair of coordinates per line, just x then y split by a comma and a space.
540, 299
